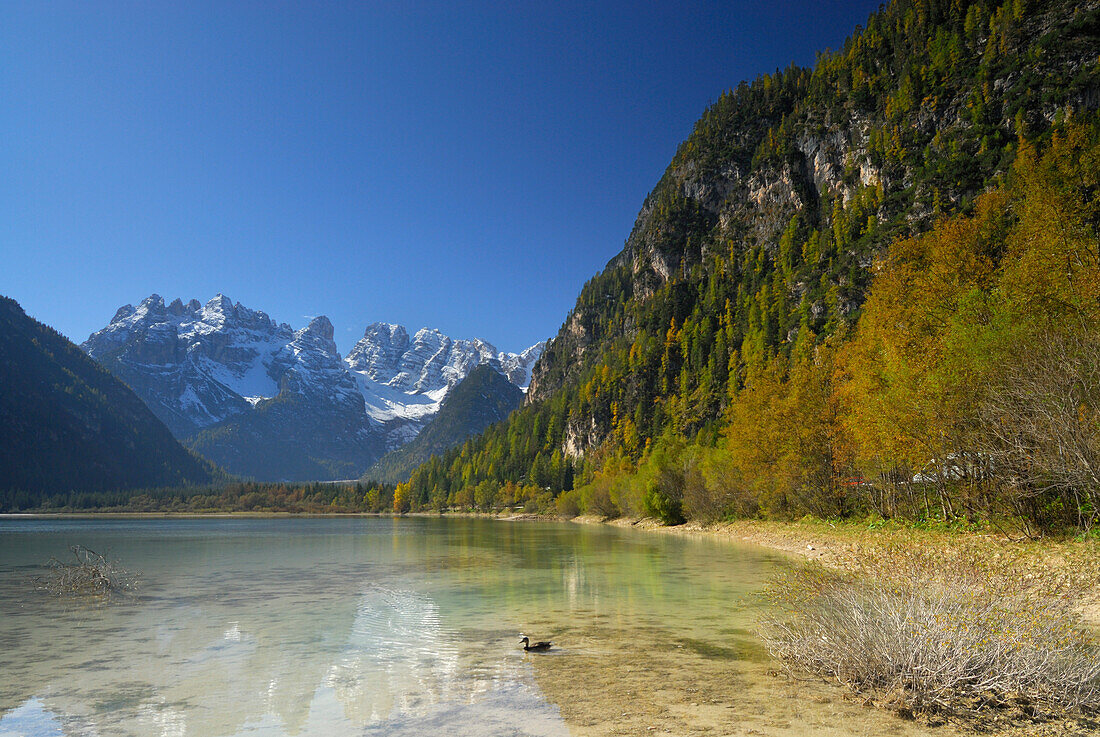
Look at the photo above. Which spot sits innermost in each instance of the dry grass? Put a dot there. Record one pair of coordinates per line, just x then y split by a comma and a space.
925, 637
87, 574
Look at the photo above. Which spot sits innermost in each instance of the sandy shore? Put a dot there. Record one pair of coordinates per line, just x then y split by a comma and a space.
1062, 564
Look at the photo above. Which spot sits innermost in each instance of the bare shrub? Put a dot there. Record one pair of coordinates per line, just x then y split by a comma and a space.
88, 574
953, 645
1042, 424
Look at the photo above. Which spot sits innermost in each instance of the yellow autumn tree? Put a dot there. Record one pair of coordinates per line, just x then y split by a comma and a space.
955, 315
1052, 262
401, 499
783, 448
908, 395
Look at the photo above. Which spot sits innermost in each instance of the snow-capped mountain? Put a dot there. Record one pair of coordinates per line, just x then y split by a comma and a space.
517, 366
236, 385
408, 378
194, 365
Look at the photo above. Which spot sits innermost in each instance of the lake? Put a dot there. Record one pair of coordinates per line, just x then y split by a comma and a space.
367, 626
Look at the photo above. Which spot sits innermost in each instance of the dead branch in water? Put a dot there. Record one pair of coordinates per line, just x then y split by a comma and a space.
88, 574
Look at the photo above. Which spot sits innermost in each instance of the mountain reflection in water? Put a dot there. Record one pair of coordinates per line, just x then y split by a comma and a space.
219, 642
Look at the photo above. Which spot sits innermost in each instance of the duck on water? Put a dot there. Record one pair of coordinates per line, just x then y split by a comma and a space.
534, 647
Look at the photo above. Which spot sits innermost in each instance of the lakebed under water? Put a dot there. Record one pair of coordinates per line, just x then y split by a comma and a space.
345, 626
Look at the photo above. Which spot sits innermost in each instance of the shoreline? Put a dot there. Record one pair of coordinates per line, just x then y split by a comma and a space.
846, 547
849, 548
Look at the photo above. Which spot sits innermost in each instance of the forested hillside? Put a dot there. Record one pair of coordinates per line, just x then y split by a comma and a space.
66, 424
485, 396
823, 300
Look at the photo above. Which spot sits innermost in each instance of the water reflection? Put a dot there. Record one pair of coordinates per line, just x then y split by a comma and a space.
398, 657
31, 717
359, 626
343, 636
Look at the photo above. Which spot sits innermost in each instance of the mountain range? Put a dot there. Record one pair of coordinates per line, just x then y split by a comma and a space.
714, 367
269, 402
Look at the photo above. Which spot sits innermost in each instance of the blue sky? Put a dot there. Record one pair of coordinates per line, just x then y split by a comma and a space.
458, 165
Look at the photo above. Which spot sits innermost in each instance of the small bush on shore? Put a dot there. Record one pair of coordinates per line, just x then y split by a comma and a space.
952, 644
87, 574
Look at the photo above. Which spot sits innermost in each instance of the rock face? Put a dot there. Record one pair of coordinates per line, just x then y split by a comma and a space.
403, 381
519, 367
805, 147
194, 365
269, 402
66, 424
431, 360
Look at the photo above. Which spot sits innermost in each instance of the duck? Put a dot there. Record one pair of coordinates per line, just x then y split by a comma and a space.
537, 647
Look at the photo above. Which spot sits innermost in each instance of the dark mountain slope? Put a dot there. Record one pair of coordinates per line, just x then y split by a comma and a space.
762, 231
482, 398
67, 424
287, 438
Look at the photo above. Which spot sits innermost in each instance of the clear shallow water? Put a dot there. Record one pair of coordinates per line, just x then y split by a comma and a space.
357, 626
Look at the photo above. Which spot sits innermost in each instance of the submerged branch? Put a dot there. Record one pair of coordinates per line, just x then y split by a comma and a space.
87, 574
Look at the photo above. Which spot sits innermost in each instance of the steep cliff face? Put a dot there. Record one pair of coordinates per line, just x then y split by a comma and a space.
917, 114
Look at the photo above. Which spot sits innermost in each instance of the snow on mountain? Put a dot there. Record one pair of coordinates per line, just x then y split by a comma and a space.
404, 380
194, 365
379, 351
408, 379
517, 366
427, 363
206, 366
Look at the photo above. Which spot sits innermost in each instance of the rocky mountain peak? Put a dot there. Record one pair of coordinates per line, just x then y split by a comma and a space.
218, 309
122, 313
431, 361
321, 327
313, 346
379, 350
220, 303
148, 309
386, 331
152, 302
518, 366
